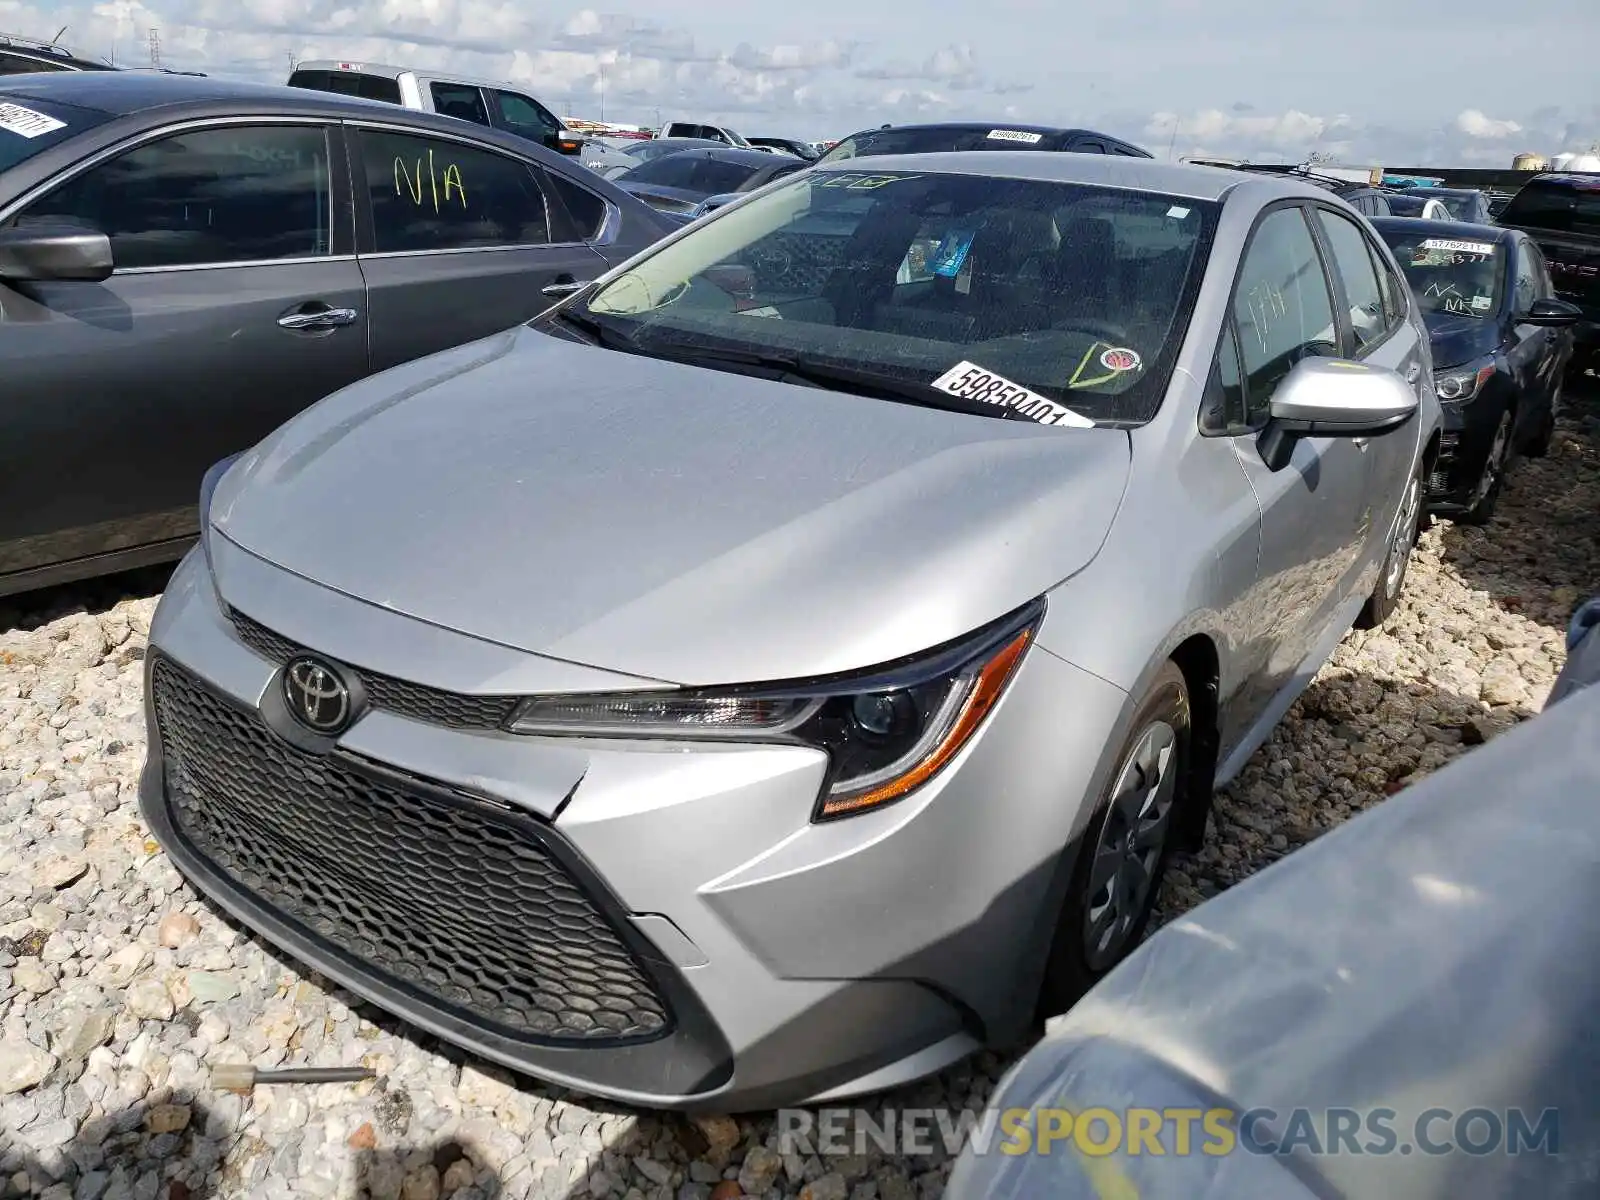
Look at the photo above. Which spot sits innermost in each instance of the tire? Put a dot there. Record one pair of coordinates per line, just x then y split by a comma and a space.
1120, 907
1486, 496
1391, 583
1537, 445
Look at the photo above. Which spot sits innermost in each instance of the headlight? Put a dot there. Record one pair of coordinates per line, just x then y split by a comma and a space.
208, 489
886, 732
1460, 384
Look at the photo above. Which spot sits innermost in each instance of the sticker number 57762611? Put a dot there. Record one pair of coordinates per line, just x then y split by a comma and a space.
972, 382
25, 122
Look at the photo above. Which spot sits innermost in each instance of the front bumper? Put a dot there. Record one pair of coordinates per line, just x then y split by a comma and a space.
1466, 433
740, 956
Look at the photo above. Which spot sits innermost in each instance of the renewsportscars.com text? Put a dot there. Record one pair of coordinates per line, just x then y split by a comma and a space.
1177, 1132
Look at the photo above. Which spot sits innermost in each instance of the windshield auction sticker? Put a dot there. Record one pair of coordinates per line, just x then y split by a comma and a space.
24, 122
1015, 135
1458, 247
972, 382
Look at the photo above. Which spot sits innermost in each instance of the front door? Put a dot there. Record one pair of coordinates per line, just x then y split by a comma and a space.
1312, 526
235, 303
459, 241
1378, 333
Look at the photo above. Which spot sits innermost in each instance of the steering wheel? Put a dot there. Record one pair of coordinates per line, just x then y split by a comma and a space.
1102, 330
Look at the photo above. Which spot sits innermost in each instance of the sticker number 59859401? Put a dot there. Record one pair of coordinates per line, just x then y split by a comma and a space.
972, 382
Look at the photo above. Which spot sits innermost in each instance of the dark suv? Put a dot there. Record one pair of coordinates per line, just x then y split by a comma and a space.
1367, 199
1562, 214
26, 56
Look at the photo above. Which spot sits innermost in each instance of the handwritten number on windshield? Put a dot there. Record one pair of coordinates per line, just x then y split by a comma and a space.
433, 182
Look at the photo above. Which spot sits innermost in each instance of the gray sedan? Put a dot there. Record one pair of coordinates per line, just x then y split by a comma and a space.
783, 667
186, 263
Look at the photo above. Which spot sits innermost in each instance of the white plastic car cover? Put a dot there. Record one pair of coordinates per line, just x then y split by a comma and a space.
1438, 952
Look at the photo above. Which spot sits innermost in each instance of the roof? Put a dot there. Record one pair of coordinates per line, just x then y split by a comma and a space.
119, 93
733, 154
1457, 230
1568, 178
987, 125
1137, 174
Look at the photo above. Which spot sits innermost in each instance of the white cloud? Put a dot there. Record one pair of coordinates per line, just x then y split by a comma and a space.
1474, 124
1293, 134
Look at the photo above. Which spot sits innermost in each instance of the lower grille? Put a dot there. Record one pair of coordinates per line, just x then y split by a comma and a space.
439, 895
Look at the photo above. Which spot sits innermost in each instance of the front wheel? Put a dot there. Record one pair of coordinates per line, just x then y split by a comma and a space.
1385, 596
1123, 854
1486, 495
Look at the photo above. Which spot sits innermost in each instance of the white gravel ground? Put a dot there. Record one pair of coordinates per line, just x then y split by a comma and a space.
119, 987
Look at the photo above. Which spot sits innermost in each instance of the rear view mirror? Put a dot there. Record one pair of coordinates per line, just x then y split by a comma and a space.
1551, 313
1333, 397
35, 253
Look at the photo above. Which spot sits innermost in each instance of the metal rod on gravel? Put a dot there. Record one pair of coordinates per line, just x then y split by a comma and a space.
241, 1077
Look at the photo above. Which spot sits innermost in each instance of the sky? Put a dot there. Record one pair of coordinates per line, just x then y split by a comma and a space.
1362, 82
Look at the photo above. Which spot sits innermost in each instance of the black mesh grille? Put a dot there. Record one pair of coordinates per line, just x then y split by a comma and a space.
399, 696
452, 899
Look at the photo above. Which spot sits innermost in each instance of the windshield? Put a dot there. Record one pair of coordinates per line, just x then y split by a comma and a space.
27, 128
1077, 294
693, 172
1451, 275
938, 139
1566, 207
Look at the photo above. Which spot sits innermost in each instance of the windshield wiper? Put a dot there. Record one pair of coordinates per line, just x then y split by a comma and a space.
855, 380
602, 333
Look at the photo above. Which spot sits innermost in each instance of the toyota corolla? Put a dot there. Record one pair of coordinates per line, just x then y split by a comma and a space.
786, 666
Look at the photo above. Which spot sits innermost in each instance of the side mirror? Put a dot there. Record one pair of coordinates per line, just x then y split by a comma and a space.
711, 203
41, 252
1551, 314
1333, 397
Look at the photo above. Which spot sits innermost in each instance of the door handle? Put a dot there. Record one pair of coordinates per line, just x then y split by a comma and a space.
565, 286
1361, 443
317, 316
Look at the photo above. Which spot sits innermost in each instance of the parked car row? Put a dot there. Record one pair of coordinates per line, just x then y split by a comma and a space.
1090, 460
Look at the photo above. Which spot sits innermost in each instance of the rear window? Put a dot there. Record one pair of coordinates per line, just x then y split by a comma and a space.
348, 83
693, 173
1565, 207
940, 139
28, 127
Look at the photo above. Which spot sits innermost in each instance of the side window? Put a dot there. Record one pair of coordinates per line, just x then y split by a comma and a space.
432, 194
1223, 412
1527, 279
1380, 207
524, 115
234, 195
585, 211
1281, 305
1542, 270
459, 100
1089, 146
1394, 294
12, 64
1354, 262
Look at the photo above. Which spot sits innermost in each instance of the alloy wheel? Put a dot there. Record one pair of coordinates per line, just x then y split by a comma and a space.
1405, 537
1494, 466
1132, 839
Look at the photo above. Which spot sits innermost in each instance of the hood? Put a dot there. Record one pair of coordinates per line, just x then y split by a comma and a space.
665, 520
1458, 340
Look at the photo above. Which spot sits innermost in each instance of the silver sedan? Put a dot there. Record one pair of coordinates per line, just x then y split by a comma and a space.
787, 666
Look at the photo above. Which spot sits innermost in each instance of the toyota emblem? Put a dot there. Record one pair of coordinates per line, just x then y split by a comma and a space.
317, 697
